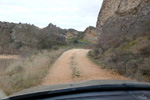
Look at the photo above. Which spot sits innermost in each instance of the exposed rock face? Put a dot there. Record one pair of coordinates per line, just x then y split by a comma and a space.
90, 34
72, 33
119, 17
53, 29
124, 41
67, 33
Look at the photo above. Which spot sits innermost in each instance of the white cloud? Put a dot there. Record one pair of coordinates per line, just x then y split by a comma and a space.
77, 14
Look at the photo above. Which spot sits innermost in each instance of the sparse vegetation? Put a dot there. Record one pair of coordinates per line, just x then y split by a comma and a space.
80, 41
27, 72
47, 41
130, 57
75, 71
19, 45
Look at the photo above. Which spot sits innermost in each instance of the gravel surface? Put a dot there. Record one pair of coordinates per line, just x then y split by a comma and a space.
62, 72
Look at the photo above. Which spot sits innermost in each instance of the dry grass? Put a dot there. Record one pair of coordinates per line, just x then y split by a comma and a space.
27, 72
129, 58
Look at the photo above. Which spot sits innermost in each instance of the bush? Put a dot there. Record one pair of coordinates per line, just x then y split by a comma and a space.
129, 56
145, 48
75, 41
19, 45
55, 47
47, 41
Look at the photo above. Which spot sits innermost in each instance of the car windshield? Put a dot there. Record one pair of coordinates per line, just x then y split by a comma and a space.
49, 42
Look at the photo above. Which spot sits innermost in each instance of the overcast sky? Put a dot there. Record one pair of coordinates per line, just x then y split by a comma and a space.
77, 14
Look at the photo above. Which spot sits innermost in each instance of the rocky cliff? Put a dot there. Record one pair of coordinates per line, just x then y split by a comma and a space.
124, 38
118, 17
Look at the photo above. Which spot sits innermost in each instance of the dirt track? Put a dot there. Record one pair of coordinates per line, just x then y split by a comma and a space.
9, 56
74, 65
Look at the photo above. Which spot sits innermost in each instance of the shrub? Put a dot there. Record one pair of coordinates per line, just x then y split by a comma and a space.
75, 41
47, 41
19, 45
129, 56
55, 47
145, 48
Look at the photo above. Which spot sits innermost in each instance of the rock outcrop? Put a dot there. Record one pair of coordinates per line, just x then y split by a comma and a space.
90, 34
20, 36
53, 29
72, 33
124, 38
67, 33
13, 36
123, 17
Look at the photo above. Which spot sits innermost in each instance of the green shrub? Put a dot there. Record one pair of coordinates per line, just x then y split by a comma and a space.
75, 41
47, 41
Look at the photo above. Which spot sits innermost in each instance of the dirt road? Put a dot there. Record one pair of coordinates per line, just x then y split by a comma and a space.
9, 56
74, 65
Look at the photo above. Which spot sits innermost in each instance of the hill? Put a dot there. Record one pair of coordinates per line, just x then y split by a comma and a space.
16, 38
124, 38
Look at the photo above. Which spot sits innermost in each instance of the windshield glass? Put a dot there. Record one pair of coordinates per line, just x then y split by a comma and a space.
49, 42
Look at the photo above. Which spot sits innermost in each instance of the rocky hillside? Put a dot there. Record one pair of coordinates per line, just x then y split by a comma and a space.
15, 38
72, 33
53, 29
124, 38
90, 34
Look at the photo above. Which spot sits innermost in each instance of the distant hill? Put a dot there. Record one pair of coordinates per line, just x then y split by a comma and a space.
54, 29
16, 37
